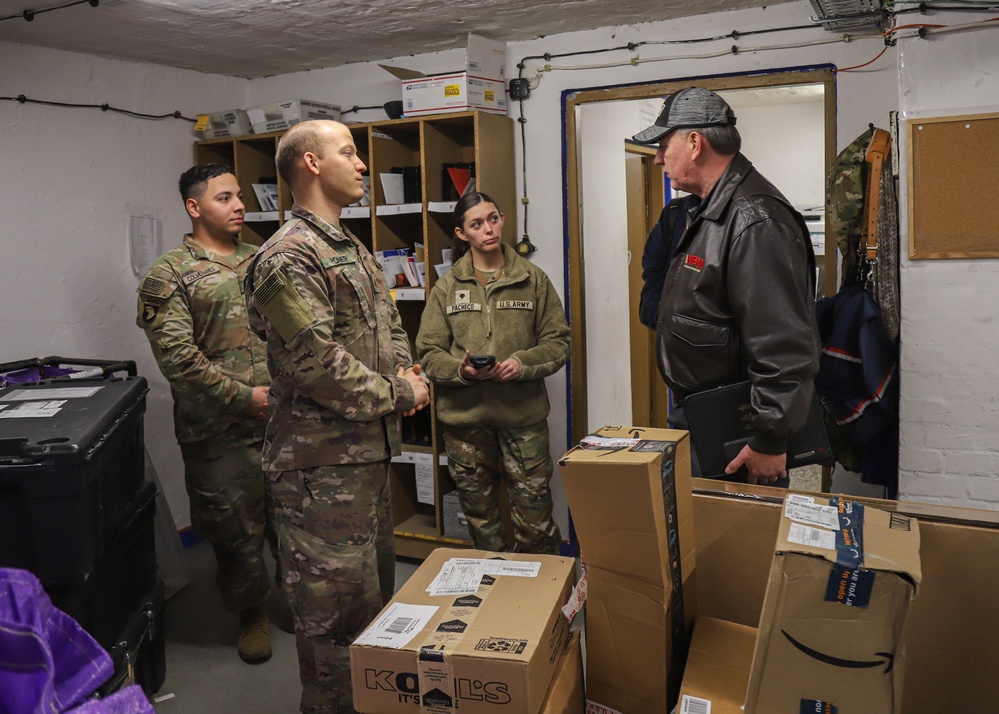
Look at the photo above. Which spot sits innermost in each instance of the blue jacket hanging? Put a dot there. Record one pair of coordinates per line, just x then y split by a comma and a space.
857, 376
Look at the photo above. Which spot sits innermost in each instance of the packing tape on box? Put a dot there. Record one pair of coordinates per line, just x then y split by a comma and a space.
437, 682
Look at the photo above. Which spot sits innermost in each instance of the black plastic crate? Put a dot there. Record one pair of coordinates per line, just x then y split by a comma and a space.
123, 576
139, 653
67, 481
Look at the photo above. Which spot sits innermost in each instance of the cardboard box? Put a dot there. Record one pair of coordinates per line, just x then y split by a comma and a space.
479, 86
458, 92
952, 638
833, 621
220, 125
632, 510
282, 115
488, 642
718, 664
565, 696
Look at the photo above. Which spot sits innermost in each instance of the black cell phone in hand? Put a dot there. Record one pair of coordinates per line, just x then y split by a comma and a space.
482, 361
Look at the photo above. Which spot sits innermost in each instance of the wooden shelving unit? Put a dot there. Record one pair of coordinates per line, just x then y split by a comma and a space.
427, 142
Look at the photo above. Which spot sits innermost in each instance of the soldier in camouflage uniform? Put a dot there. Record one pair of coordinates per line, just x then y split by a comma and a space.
191, 308
342, 373
493, 302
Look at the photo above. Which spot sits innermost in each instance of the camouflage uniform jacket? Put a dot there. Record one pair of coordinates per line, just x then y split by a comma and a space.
518, 315
192, 310
334, 345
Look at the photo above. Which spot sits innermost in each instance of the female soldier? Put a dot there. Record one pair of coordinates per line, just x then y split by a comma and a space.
493, 329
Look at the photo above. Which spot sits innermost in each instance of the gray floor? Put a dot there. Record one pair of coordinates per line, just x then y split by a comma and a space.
204, 675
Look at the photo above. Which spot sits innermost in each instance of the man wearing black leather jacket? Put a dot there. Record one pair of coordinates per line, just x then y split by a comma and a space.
738, 302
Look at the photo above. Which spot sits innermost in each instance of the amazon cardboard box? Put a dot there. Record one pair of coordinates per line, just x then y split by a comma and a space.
832, 630
471, 631
565, 696
629, 494
718, 664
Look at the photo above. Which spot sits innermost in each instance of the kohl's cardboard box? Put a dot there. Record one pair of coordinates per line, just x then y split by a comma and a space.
832, 629
718, 664
470, 631
629, 494
481, 85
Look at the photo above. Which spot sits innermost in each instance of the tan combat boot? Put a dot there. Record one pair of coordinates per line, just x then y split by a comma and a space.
254, 635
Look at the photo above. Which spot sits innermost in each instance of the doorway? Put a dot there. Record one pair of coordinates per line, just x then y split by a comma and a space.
606, 386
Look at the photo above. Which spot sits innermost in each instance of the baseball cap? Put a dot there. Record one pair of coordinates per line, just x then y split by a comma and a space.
693, 108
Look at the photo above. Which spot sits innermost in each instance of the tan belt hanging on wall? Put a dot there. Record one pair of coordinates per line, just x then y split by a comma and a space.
877, 152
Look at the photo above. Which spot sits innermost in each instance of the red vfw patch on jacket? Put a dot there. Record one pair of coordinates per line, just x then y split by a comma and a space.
693, 262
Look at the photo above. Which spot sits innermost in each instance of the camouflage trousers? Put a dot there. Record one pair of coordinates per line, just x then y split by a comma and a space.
477, 458
230, 509
334, 526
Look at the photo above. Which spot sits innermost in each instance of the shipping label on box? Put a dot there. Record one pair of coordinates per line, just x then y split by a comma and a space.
629, 493
833, 621
471, 631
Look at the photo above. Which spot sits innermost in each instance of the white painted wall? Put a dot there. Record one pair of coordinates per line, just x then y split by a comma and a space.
950, 336
68, 175
604, 219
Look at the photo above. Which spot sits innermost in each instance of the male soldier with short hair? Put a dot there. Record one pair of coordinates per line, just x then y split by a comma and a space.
342, 372
191, 308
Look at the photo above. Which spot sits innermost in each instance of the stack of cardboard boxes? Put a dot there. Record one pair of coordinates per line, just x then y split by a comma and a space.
630, 498
484, 632
831, 633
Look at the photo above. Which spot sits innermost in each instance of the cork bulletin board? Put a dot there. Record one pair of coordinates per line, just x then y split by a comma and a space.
954, 187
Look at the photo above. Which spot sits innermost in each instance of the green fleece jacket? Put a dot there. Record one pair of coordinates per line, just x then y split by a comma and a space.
518, 315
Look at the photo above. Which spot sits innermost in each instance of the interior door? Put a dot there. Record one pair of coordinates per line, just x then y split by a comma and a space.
645, 200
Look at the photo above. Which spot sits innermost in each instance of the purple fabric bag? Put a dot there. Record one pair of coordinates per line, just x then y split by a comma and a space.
48, 663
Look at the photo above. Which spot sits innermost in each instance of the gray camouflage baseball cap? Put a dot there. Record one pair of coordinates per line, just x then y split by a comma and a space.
693, 108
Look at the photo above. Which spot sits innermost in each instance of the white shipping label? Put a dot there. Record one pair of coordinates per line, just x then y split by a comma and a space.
26, 395
37, 410
813, 537
594, 708
461, 576
399, 624
694, 705
424, 478
812, 514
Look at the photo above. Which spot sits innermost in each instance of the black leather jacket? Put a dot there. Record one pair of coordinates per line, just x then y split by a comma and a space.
738, 304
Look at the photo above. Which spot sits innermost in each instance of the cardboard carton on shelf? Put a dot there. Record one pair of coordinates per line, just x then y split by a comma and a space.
279, 116
222, 125
470, 631
480, 85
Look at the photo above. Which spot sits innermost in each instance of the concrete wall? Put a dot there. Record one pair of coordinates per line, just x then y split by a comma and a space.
69, 179
949, 333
